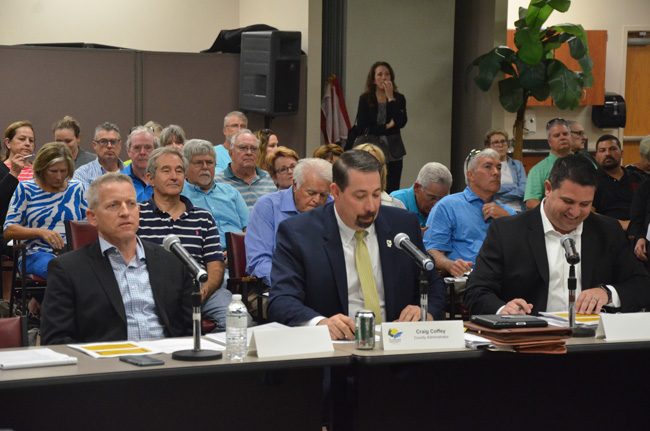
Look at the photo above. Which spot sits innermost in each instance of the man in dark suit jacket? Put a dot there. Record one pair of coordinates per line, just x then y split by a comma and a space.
85, 302
521, 266
314, 274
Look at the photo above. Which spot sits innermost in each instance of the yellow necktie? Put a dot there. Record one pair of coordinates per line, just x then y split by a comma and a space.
366, 278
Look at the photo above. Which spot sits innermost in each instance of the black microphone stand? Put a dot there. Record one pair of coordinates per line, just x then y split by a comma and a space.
576, 331
196, 354
424, 294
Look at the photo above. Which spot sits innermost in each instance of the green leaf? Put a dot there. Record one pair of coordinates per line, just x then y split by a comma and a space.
566, 85
530, 47
574, 30
489, 65
577, 48
532, 76
559, 5
587, 66
511, 95
541, 93
537, 15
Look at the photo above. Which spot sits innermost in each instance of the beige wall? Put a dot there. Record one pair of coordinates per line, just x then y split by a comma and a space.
615, 17
417, 38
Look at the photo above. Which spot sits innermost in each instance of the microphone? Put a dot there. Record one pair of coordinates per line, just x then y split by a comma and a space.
403, 242
570, 253
173, 244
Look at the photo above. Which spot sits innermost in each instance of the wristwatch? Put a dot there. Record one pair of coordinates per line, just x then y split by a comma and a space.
609, 293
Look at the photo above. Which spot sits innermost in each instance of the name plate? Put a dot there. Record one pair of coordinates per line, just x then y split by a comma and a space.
291, 341
624, 327
433, 335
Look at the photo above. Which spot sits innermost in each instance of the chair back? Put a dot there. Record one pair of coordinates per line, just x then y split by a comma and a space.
79, 233
236, 249
13, 332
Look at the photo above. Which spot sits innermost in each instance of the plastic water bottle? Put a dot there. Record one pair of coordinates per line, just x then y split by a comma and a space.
236, 336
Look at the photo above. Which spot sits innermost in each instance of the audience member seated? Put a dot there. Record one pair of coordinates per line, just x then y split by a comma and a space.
107, 144
68, 131
639, 221
457, 225
167, 212
643, 165
579, 142
19, 146
329, 152
40, 206
242, 172
333, 261
233, 122
615, 185
223, 201
268, 144
281, 164
311, 187
386, 199
119, 287
559, 141
139, 145
173, 135
432, 184
513, 176
8, 184
522, 267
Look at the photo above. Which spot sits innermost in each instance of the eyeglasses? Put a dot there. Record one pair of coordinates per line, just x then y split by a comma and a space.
107, 142
236, 126
580, 133
247, 148
286, 169
473, 153
556, 120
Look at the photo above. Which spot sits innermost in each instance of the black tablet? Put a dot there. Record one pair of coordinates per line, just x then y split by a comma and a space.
499, 321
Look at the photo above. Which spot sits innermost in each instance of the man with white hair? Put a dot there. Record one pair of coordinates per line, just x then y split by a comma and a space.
559, 141
242, 172
233, 122
432, 184
139, 145
311, 184
457, 225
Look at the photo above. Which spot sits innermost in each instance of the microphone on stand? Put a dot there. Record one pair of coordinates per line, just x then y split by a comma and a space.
573, 258
173, 244
403, 242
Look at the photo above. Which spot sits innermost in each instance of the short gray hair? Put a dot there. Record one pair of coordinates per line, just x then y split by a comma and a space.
237, 114
173, 132
198, 147
106, 127
141, 130
92, 194
152, 164
489, 153
434, 173
644, 148
320, 167
243, 132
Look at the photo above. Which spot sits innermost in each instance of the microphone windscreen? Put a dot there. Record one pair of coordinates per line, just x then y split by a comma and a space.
170, 240
399, 238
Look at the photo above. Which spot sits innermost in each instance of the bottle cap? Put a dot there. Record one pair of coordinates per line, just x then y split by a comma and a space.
236, 297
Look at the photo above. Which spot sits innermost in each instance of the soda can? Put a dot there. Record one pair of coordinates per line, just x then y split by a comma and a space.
365, 332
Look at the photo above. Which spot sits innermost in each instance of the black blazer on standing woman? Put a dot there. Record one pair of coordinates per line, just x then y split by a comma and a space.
8, 184
395, 110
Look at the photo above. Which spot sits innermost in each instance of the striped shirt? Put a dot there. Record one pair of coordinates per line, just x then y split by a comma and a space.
87, 173
261, 185
33, 207
27, 173
195, 228
142, 321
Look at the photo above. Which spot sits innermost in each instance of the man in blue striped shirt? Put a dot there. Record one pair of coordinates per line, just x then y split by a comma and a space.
167, 212
242, 173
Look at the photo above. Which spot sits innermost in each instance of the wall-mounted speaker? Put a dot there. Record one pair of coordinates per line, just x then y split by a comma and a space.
269, 72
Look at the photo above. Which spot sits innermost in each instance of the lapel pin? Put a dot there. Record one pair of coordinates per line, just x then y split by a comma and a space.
389, 243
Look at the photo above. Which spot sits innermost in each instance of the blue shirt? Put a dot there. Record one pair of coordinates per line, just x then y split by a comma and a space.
142, 322
262, 185
224, 202
33, 207
143, 191
223, 158
456, 225
265, 218
407, 196
85, 174
195, 228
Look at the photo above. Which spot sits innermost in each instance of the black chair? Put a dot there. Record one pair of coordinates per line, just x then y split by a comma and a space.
24, 285
239, 282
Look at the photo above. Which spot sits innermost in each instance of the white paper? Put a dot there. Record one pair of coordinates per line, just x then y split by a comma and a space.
624, 327
29, 358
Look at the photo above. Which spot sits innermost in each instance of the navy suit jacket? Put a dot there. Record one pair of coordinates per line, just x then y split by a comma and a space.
512, 263
83, 302
308, 276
